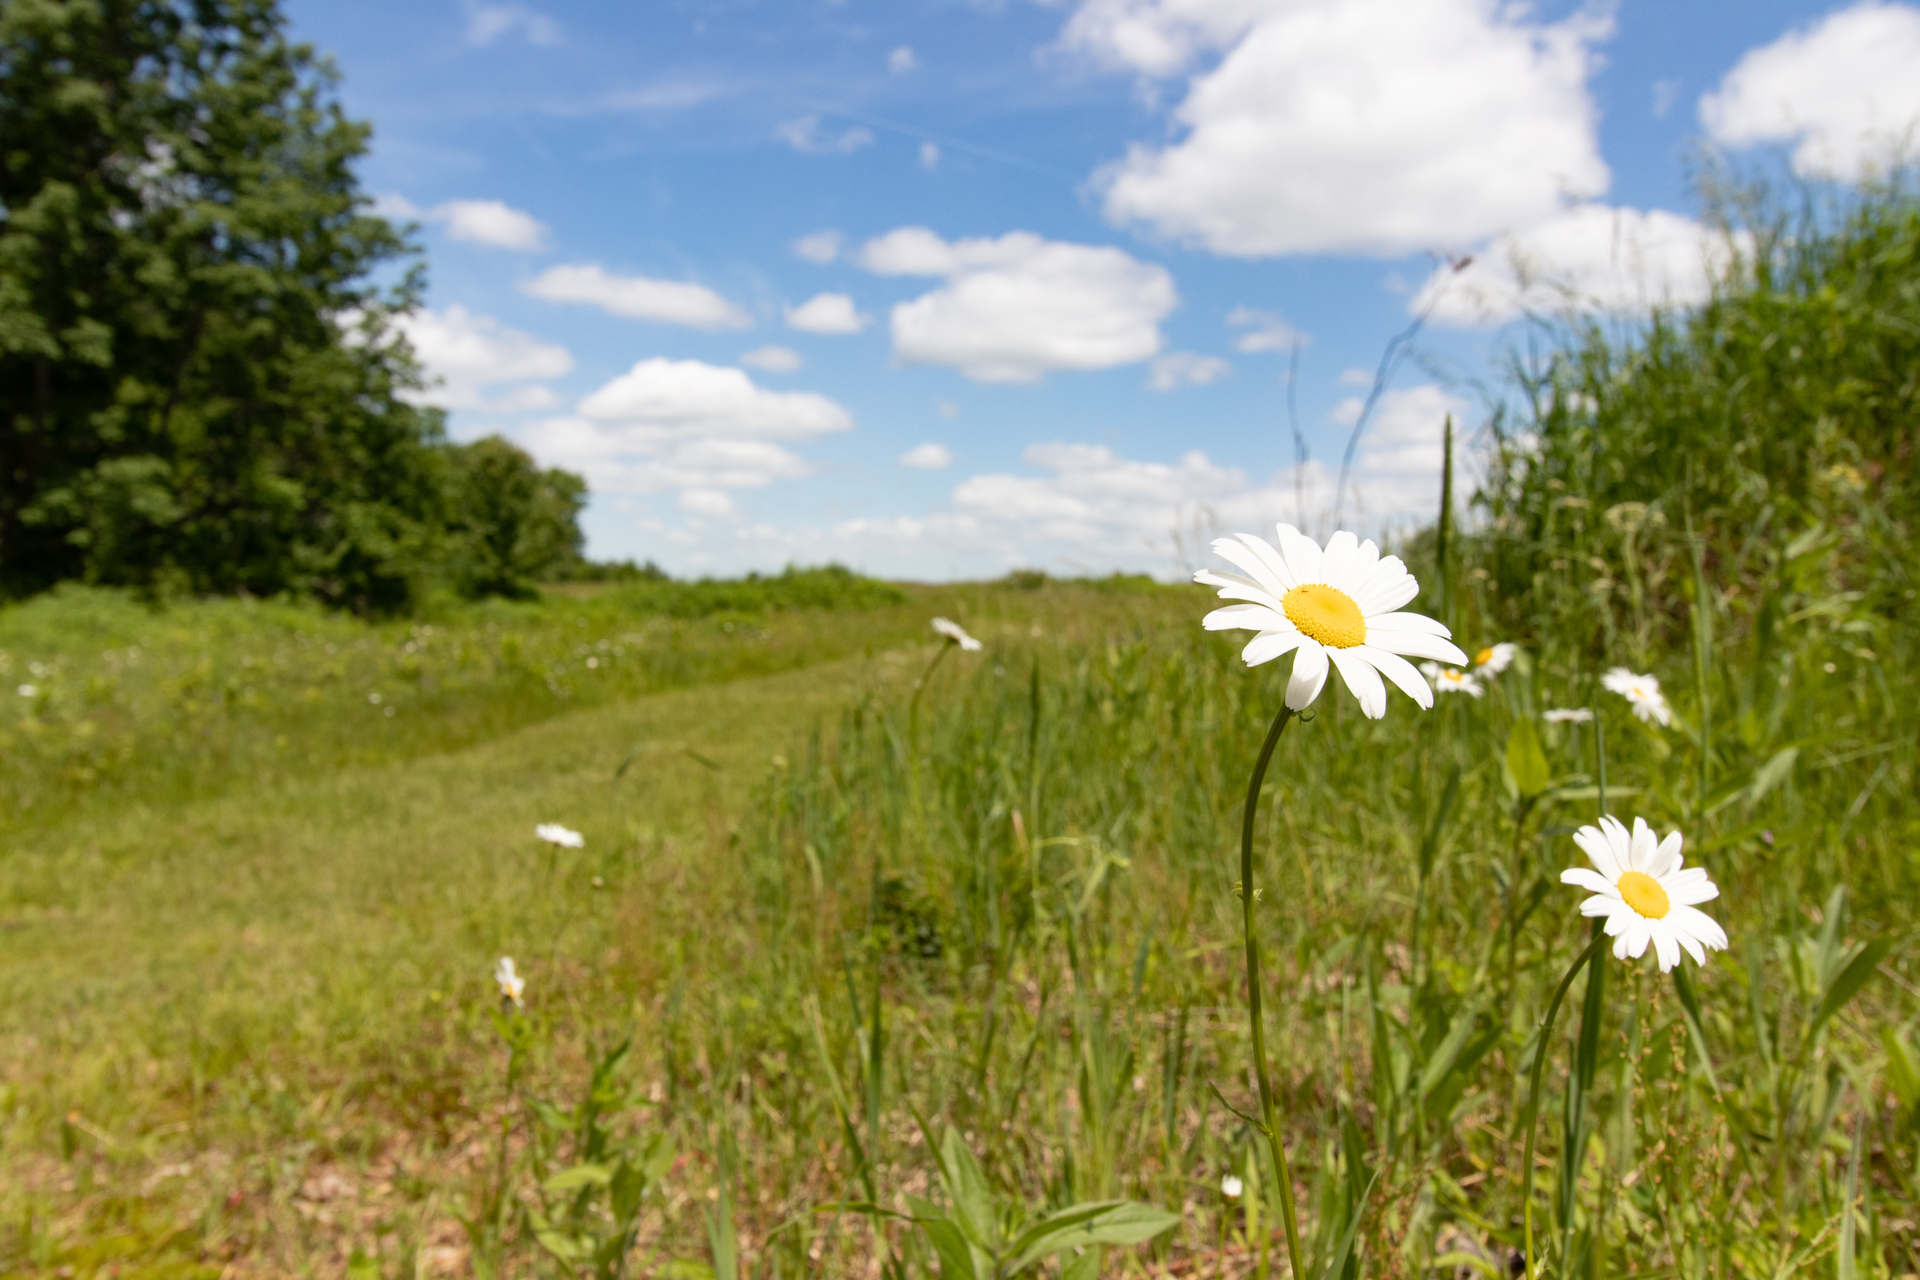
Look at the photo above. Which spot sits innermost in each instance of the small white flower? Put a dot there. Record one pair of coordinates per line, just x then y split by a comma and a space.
956, 633
512, 985
28, 691
554, 833
1645, 896
1642, 691
1231, 1187
1494, 659
1451, 679
1331, 607
1568, 715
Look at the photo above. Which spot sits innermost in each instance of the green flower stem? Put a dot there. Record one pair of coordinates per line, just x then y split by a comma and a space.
1540, 1056
913, 736
1269, 1111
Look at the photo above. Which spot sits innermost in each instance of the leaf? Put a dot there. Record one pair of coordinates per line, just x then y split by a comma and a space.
1848, 984
1084, 1267
1772, 773
1337, 1263
581, 1175
1441, 1063
687, 1269
1115, 1222
1527, 759
967, 1188
956, 1255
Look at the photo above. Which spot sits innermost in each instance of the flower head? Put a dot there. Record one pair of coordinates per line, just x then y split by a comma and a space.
554, 833
1568, 715
1642, 691
1231, 1187
1451, 679
956, 633
1329, 607
512, 985
1645, 896
27, 691
1494, 659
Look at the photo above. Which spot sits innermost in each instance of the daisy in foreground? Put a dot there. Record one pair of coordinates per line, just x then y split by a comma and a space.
1332, 608
554, 833
1642, 691
956, 633
512, 985
1643, 893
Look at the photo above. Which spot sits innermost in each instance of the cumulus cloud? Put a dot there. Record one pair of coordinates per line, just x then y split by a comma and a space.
927, 457
826, 313
1185, 369
1844, 91
1589, 258
1363, 126
821, 247
641, 298
806, 136
489, 222
1265, 331
773, 359
464, 353
1019, 307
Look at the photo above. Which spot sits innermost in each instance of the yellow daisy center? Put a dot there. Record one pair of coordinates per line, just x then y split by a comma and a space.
1483, 657
1644, 894
1326, 614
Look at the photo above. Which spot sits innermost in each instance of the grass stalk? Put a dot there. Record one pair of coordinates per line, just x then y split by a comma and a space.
1532, 1114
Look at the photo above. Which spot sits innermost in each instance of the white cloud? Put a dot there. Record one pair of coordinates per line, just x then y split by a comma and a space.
804, 135
1017, 308
901, 60
773, 359
667, 301
615, 464
927, 457
1265, 331
948, 409
1369, 126
826, 313
1845, 91
488, 222
465, 353
1185, 369
821, 247
488, 22
1591, 257
662, 399
707, 502
1356, 377
929, 155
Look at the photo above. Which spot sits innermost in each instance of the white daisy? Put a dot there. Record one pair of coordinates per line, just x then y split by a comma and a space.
1451, 679
1231, 1187
1644, 894
1642, 691
1494, 659
512, 985
554, 833
956, 633
1568, 715
1335, 607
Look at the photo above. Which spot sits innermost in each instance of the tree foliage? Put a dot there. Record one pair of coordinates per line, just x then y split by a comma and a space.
199, 381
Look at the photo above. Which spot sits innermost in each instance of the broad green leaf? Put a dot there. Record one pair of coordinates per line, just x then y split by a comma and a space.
581, 1175
1120, 1222
1084, 1267
1527, 759
1848, 984
956, 1255
967, 1189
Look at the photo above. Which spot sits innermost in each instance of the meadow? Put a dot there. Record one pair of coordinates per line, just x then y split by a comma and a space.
883, 957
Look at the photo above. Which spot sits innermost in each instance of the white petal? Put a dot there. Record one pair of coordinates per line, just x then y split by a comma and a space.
1666, 858
1359, 569
1275, 563
1269, 645
1700, 925
1599, 850
1255, 565
1612, 908
1339, 555
1401, 672
1591, 880
1692, 944
1309, 674
1246, 617
1415, 644
1638, 934
1640, 852
1387, 588
1302, 554
1666, 946
1362, 680
1410, 622
1690, 887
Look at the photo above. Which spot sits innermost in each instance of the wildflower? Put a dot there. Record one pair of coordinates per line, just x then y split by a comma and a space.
1568, 715
1644, 894
554, 833
1642, 691
512, 985
27, 691
1494, 659
1451, 679
1231, 1187
956, 633
1335, 607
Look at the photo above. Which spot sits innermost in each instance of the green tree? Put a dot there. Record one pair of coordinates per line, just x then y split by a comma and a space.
198, 375
515, 524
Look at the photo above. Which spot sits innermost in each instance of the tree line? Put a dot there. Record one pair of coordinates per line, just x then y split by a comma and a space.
201, 386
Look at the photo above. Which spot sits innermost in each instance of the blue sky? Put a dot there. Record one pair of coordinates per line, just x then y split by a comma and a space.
938, 289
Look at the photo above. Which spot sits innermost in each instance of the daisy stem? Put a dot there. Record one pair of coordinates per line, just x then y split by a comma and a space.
1532, 1113
913, 737
1269, 1111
